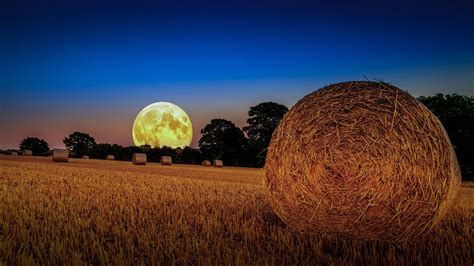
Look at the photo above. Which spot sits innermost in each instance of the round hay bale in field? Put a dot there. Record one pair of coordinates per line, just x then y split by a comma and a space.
218, 163
60, 155
14, 153
364, 160
206, 163
139, 158
85, 157
110, 157
166, 160
27, 153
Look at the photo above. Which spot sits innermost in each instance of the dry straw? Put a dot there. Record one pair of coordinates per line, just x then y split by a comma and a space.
364, 160
110, 157
166, 160
14, 153
139, 158
26, 153
218, 163
60, 155
206, 163
85, 157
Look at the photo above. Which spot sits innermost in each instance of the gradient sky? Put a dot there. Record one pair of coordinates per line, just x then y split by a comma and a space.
85, 66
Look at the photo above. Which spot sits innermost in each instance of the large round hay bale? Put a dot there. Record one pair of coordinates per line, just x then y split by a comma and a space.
218, 163
139, 158
363, 160
110, 157
206, 163
60, 155
166, 160
14, 153
27, 153
85, 157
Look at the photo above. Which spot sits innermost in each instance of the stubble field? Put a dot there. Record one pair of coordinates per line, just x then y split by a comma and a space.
110, 212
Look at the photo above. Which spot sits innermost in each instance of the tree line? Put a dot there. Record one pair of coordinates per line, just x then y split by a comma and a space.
222, 139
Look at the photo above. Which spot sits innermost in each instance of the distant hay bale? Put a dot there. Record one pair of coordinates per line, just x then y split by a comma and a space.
166, 160
139, 158
85, 157
218, 163
14, 153
26, 153
363, 160
110, 157
60, 155
206, 163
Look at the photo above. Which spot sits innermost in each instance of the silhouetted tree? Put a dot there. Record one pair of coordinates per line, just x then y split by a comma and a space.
145, 148
79, 143
456, 112
153, 154
126, 153
100, 151
263, 120
168, 151
249, 157
36, 145
190, 155
221, 139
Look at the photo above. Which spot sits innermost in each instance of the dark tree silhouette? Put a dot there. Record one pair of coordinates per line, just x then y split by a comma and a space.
145, 148
36, 145
190, 155
79, 143
263, 120
168, 151
126, 153
100, 151
456, 112
221, 139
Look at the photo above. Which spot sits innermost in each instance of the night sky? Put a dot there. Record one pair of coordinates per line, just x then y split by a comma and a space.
83, 66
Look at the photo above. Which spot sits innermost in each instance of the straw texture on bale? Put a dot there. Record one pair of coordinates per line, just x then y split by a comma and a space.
139, 158
166, 160
26, 153
363, 160
110, 157
218, 163
60, 155
206, 163
85, 157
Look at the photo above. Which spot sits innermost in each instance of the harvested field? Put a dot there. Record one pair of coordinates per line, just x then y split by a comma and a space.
112, 212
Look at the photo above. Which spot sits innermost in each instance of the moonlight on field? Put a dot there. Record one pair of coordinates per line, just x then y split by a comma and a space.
162, 124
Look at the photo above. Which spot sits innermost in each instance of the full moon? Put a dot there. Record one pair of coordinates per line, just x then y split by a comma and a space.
162, 124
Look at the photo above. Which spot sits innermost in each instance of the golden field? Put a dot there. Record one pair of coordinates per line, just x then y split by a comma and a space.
110, 212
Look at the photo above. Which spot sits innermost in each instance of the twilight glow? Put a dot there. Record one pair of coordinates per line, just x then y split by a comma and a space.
91, 66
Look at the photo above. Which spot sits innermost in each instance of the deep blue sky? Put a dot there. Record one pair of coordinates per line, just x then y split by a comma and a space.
82, 65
